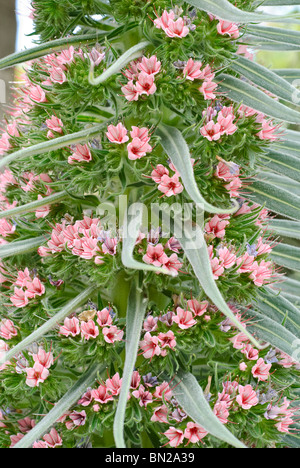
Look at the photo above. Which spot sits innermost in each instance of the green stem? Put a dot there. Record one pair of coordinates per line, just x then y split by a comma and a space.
32, 206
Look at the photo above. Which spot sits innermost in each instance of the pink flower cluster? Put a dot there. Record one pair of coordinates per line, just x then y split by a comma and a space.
39, 372
226, 28
229, 172
192, 71
26, 288
174, 28
139, 145
89, 330
82, 238
51, 440
82, 154
212, 130
156, 255
168, 184
141, 78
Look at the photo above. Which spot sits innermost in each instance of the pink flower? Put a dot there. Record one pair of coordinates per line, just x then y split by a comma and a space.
35, 288
184, 318
138, 148
246, 263
53, 439
158, 173
226, 123
155, 255
194, 433
114, 384
250, 353
216, 227
208, 88
101, 395
57, 75
150, 346
217, 268
14, 439
141, 133
36, 375
163, 21
112, 334
227, 258
145, 84
145, 397
20, 298
6, 228
66, 56
160, 414
82, 154
198, 308
243, 366
96, 57
221, 411
170, 185
175, 436
261, 370
233, 187
43, 358
247, 397
40, 444
78, 418
4, 143
231, 29
192, 70
26, 424
37, 94
167, 340
150, 324
43, 211
211, 131
7, 330
89, 330
239, 340
150, 66
117, 134
163, 391
130, 92
70, 327
177, 28
268, 131
262, 273
55, 124
173, 264
104, 318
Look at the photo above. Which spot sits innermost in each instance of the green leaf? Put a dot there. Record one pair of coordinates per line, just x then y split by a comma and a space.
192, 241
62, 406
54, 144
279, 2
274, 333
287, 36
289, 285
276, 199
240, 91
20, 247
278, 308
264, 78
287, 256
191, 398
288, 146
136, 309
49, 200
132, 224
177, 149
284, 164
130, 54
280, 181
288, 74
285, 228
225, 10
267, 44
50, 324
292, 135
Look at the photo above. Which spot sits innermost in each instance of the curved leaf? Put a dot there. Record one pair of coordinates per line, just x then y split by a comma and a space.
195, 248
267, 44
287, 146
130, 54
225, 10
240, 91
289, 286
32, 206
51, 323
264, 78
279, 309
52, 145
287, 36
136, 309
283, 164
61, 407
287, 256
177, 149
20, 247
288, 74
285, 228
275, 198
191, 398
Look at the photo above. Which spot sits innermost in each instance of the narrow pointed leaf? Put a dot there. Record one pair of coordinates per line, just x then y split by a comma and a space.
288, 74
287, 146
279, 2
275, 198
131, 54
285, 228
136, 309
54, 144
177, 149
227, 11
266, 44
292, 135
191, 398
278, 308
195, 248
287, 36
61, 407
274, 333
20, 247
287, 256
283, 164
289, 285
53, 198
240, 91
280, 181
50, 324
264, 78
